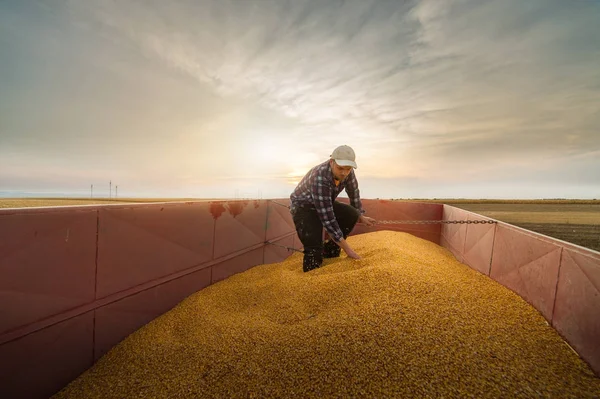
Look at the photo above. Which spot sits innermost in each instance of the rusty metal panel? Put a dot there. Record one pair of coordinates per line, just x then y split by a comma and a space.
138, 244
279, 221
479, 244
117, 320
528, 265
453, 235
275, 254
425, 235
239, 225
47, 264
395, 210
42, 363
388, 210
411, 211
239, 264
577, 309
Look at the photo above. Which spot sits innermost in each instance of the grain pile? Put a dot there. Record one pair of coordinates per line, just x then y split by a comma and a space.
405, 321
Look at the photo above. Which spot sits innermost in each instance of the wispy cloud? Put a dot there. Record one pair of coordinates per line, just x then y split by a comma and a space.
387, 70
422, 89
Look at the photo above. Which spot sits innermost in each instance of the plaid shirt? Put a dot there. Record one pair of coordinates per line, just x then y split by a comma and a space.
318, 189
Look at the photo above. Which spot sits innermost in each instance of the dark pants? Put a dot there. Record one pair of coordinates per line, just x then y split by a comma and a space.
310, 232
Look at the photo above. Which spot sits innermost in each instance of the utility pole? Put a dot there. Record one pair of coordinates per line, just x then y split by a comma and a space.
92, 191
116, 191
110, 189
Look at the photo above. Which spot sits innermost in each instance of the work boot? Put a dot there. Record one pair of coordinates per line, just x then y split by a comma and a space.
331, 249
312, 260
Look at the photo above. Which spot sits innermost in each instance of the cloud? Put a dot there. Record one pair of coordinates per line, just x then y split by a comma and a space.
383, 69
421, 89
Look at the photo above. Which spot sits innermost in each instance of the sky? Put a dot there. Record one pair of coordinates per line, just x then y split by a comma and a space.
232, 99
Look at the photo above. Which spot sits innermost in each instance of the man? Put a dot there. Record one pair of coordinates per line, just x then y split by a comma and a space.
314, 207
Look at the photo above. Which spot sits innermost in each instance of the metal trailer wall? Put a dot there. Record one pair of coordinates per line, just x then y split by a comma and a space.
561, 280
75, 281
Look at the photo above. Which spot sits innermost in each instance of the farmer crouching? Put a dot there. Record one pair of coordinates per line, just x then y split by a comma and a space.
314, 207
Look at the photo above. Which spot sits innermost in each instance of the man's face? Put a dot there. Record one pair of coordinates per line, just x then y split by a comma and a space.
340, 172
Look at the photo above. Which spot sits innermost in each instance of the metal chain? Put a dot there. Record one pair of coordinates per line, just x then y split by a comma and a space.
435, 221
404, 222
421, 221
283, 246
275, 202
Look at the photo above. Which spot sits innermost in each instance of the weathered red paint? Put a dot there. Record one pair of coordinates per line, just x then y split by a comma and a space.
236, 207
238, 264
239, 230
216, 209
526, 265
577, 303
256, 204
40, 364
41, 272
137, 258
147, 243
279, 222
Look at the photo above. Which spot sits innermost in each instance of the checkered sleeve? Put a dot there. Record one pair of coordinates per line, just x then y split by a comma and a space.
354, 193
322, 198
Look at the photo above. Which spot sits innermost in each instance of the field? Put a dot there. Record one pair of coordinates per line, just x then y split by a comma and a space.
575, 221
32, 202
578, 223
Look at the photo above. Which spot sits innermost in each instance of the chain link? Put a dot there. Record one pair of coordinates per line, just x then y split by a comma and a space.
279, 203
436, 221
404, 222
421, 221
283, 246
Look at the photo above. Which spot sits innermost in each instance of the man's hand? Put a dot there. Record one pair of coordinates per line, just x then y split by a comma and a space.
352, 254
349, 251
367, 220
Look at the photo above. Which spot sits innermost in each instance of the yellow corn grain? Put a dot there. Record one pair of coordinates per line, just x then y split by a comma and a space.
407, 320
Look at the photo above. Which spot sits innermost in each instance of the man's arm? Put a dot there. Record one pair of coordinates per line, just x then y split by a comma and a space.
354, 193
321, 193
349, 251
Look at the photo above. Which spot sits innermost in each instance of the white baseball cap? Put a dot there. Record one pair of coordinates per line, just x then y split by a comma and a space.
344, 156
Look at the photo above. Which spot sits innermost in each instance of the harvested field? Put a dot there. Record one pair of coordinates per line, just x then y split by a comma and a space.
406, 321
538, 213
586, 235
33, 202
572, 222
